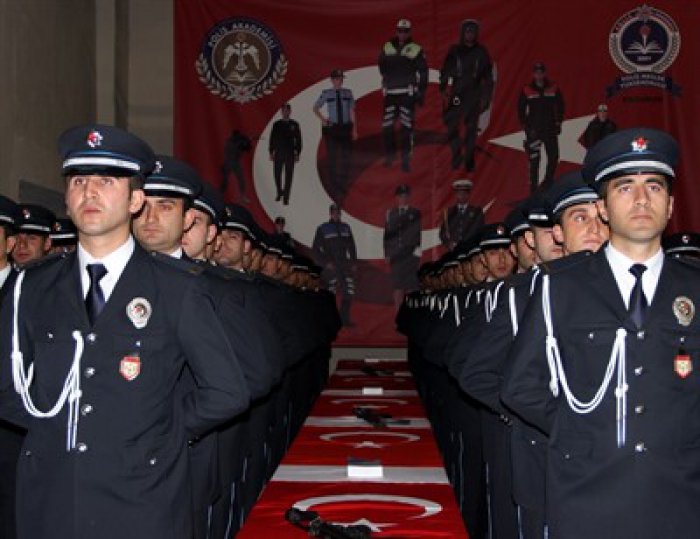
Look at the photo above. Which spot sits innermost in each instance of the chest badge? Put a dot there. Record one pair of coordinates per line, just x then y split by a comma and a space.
139, 311
130, 367
683, 365
684, 309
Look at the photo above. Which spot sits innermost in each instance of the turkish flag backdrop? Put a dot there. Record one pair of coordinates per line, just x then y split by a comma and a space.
301, 42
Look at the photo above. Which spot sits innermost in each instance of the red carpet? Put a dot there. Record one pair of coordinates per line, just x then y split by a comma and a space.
410, 498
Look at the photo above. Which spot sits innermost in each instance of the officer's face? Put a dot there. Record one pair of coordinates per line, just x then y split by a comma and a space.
523, 253
499, 262
234, 246
7, 243
200, 234
159, 226
469, 36
581, 229
539, 76
403, 34
102, 206
637, 208
30, 247
462, 196
270, 265
546, 247
479, 270
337, 82
286, 112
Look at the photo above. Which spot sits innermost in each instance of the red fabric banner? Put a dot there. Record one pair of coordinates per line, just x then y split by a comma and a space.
237, 62
418, 511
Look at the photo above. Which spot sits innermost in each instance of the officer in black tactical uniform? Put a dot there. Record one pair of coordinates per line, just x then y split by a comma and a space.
541, 113
335, 249
404, 82
467, 68
236, 144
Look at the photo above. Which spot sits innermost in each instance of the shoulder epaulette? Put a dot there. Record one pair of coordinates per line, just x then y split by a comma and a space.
564, 263
183, 265
685, 260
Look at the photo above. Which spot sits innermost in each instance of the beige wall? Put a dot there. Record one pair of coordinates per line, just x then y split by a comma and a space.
66, 62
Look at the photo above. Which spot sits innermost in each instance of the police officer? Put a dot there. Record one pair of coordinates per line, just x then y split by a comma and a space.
461, 221
402, 250
236, 145
11, 437
281, 233
285, 147
621, 456
468, 72
541, 114
236, 237
339, 130
200, 238
599, 127
404, 72
106, 449
64, 236
683, 244
9, 215
334, 246
33, 239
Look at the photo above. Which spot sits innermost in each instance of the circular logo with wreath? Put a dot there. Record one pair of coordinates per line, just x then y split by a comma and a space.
644, 40
241, 60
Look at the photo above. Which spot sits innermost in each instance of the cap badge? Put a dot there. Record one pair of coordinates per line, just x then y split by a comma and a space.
684, 309
158, 167
94, 139
685, 239
139, 311
639, 144
500, 230
683, 365
26, 214
130, 367
57, 226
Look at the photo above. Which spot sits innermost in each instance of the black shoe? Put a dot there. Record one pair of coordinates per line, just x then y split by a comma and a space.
469, 166
279, 197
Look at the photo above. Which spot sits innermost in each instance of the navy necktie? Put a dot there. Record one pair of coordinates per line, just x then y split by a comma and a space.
95, 299
638, 301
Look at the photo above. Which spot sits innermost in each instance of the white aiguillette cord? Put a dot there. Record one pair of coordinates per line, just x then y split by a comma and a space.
23, 380
618, 360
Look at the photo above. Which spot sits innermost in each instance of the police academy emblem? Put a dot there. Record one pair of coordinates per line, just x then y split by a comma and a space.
241, 60
684, 310
643, 43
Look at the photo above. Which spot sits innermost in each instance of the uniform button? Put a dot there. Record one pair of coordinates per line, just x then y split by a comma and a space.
533, 442
49, 335
91, 337
638, 371
567, 457
640, 335
639, 409
89, 372
82, 447
640, 447
86, 409
27, 453
153, 461
591, 335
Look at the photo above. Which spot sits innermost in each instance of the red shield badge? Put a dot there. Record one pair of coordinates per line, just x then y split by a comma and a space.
683, 366
130, 367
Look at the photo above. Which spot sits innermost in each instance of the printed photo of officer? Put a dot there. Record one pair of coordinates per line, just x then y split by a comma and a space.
339, 130
466, 86
334, 248
599, 127
285, 147
460, 222
235, 146
404, 74
402, 249
541, 114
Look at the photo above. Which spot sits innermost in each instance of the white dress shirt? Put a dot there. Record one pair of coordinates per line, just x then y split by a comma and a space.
621, 264
4, 274
114, 262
